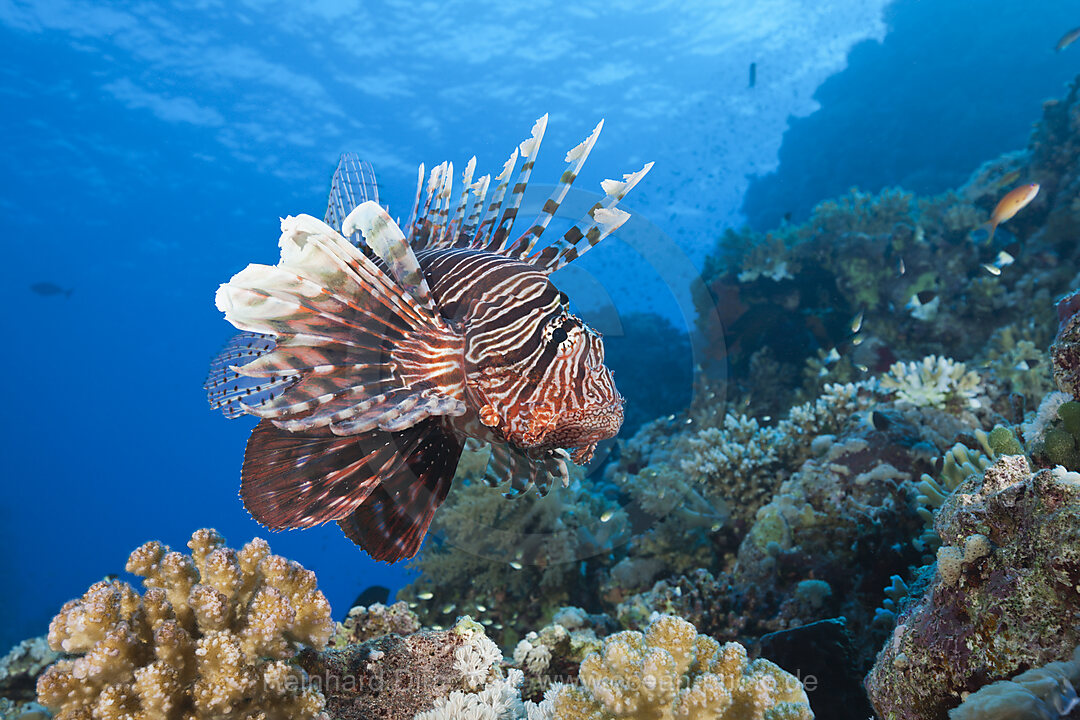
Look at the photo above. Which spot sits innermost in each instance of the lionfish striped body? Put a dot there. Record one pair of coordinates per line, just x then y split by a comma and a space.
371, 356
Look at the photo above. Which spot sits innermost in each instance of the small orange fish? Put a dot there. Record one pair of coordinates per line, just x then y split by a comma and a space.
1067, 39
1013, 202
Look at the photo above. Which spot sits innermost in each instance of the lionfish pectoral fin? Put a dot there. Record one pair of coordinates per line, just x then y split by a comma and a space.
391, 522
229, 390
388, 242
350, 345
509, 463
583, 455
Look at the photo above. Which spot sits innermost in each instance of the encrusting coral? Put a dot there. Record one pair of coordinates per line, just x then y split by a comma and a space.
1044, 692
670, 671
1003, 597
210, 638
364, 623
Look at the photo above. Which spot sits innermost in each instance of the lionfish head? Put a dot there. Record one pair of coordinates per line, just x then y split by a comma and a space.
582, 387
551, 388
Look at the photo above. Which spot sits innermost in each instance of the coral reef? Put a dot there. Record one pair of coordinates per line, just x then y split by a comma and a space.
671, 671
431, 675
511, 563
554, 653
209, 638
1002, 599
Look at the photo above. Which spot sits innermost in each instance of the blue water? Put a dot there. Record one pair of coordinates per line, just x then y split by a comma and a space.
149, 150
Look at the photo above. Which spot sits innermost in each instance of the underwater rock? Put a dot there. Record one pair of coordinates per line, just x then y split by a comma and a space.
1045, 692
1065, 352
20, 668
396, 677
209, 638
824, 656
1005, 595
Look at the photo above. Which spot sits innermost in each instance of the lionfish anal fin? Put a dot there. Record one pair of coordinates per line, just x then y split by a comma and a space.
383, 488
391, 522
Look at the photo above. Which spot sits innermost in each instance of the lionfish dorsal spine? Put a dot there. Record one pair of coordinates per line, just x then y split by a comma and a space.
449, 233
479, 188
502, 182
575, 158
446, 189
601, 220
411, 225
529, 149
389, 244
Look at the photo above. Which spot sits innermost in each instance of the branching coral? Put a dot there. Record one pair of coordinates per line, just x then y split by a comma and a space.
934, 382
209, 638
670, 671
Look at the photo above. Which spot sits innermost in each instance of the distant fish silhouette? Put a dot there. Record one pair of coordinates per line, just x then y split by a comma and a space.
753, 74
1068, 39
48, 289
372, 595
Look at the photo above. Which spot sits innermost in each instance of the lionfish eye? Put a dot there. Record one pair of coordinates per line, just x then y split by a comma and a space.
559, 335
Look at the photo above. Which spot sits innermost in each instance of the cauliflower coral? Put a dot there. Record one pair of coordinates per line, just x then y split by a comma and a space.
670, 671
209, 638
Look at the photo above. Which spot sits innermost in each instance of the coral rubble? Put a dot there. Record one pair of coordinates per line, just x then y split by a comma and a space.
211, 637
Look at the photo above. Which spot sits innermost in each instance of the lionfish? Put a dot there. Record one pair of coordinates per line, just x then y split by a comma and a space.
372, 356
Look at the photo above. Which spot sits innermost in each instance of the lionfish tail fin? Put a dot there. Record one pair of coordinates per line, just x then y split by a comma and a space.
602, 220
391, 522
358, 351
353, 183
227, 390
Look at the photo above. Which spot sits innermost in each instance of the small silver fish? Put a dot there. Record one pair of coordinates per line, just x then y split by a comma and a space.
856, 323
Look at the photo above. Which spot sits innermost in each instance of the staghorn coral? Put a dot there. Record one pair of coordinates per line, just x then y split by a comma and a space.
670, 671
936, 382
365, 623
1003, 597
209, 638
